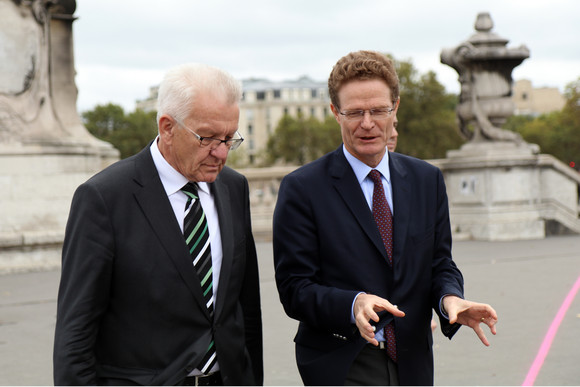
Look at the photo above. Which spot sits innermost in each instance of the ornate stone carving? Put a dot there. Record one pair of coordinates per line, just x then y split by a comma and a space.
37, 87
485, 65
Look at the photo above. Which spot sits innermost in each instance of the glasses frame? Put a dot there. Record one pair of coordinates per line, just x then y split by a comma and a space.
231, 143
358, 114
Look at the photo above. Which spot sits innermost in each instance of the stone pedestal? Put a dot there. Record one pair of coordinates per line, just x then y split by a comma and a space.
45, 150
36, 186
507, 191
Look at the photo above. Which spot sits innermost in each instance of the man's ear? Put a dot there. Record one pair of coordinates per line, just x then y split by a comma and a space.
166, 126
335, 112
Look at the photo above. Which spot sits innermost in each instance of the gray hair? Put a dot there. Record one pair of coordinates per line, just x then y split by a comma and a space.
181, 84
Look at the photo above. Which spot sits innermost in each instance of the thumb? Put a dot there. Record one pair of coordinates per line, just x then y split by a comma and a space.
452, 316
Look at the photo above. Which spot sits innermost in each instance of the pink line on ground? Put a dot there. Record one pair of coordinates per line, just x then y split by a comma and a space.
547, 343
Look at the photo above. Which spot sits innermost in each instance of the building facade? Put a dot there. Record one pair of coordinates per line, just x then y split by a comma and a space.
534, 101
263, 104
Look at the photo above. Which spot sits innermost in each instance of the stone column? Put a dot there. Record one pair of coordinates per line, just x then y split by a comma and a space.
45, 151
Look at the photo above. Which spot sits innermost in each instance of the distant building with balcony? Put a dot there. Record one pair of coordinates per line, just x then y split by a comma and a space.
534, 101
265, 102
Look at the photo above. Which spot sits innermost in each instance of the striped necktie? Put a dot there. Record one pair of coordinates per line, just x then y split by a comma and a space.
196, 232
384, 219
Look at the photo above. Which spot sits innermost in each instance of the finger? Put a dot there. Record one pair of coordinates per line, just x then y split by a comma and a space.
490, 322
365, 327
395, 311
367, 332
366, 316
452, 317
481, 335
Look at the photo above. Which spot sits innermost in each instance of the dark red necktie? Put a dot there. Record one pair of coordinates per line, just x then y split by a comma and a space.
384, 220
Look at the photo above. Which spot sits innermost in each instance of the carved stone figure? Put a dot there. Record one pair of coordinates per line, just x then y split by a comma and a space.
485, 65
37, 88
45, 150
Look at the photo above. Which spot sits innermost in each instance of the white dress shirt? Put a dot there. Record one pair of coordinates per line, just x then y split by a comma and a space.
172, 182
361, 170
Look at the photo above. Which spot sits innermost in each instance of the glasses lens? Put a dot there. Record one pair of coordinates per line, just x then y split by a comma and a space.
235, 143
206, 141
354, 114
380, 113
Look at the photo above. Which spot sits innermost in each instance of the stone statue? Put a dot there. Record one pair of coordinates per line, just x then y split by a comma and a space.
45, 150
37, 88
484, 65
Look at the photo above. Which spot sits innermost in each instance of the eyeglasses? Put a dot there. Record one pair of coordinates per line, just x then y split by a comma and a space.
213, 143
357, 115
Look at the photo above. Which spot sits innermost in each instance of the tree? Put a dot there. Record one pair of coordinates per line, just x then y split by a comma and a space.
557, 133
427, 127
300, 140
104, 119
127, 132
140, 129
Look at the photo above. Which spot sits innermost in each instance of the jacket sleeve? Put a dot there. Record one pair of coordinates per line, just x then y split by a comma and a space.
297, 262
250, 297
84, 288
447, 279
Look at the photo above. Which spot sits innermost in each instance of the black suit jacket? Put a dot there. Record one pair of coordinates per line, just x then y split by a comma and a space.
327, 248
130, 306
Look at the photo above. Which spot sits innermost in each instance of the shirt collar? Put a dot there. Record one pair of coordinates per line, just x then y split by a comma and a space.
172, 180
361, 170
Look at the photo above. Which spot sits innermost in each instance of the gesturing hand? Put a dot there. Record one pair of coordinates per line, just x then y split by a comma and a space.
471, 314
366, 307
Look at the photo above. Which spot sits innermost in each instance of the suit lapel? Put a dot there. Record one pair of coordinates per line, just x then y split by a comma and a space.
401, 194
155, 205
222, 200
347, 186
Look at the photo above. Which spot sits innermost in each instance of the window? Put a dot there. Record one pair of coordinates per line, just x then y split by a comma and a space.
277, 94
261, 95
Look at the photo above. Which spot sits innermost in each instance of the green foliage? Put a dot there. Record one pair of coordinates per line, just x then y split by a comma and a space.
127, 132
104, 119
556, 133
301, 140
427, 127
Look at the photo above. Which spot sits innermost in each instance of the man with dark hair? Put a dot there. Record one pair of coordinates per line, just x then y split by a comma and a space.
362, 246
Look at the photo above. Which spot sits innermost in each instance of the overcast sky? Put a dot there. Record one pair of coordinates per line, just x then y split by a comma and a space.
123, 47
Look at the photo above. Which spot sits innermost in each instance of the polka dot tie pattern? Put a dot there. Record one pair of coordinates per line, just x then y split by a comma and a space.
384, 219
382, 213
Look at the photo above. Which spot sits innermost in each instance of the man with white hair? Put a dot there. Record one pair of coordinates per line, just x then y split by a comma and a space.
159, 274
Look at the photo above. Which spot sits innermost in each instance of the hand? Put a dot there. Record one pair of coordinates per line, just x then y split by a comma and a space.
471, 314
366, 307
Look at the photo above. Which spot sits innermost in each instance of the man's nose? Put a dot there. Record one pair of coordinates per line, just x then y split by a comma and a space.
367, 120
221, 151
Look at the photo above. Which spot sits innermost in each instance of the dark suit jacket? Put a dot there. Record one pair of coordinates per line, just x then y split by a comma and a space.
130, 306
327, 248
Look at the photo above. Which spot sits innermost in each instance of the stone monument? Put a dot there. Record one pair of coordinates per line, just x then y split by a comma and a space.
499, 186
45, 150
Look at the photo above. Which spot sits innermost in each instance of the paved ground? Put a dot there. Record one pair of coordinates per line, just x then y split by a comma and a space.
525, 281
